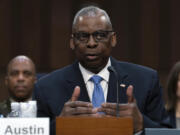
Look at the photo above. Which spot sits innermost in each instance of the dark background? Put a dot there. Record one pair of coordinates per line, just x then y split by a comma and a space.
148, 32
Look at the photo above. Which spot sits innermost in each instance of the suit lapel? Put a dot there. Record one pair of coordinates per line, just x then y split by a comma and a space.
76, 79
123, 84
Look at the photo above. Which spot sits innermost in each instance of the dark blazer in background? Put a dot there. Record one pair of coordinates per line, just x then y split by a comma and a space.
5, 107
172, 118
53, 90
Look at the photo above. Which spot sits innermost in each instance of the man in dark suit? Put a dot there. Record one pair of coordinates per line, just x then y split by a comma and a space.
71, 90
20, 79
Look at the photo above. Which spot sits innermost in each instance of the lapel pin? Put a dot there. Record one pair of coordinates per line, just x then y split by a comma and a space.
122, 85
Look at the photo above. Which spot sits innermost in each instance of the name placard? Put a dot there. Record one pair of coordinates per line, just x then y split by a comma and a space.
24, 126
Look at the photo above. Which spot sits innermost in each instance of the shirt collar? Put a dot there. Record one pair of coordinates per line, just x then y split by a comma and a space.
12, 100
104, 73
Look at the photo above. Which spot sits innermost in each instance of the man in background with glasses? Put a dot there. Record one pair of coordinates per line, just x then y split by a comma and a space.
88, 86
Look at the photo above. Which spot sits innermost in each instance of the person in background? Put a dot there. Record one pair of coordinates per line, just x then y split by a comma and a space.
88, 86
172, 95
19, 80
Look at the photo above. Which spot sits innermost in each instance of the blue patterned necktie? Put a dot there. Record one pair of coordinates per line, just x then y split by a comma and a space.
98, 94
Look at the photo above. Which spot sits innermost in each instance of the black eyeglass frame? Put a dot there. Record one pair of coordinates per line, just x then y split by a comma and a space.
77, 35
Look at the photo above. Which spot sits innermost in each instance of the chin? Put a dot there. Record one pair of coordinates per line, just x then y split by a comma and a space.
92, 65
95, 68
21, 98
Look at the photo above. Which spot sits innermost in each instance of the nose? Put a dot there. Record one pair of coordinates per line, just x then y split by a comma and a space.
91, 42
20, 77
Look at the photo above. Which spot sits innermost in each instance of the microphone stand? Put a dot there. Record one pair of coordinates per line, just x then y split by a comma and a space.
111, 69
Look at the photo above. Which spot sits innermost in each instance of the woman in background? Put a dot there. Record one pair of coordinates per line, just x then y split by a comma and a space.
172, 95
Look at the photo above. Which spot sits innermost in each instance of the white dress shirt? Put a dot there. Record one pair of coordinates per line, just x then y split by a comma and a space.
104, 73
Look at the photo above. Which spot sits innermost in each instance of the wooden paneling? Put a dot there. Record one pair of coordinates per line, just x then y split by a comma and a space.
31, 34
165, 51
60, 53
149, 44
175, 31
147, 31
5, 33
118, 13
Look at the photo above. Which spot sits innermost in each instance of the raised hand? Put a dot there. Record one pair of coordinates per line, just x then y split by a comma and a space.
129, 109
79, 108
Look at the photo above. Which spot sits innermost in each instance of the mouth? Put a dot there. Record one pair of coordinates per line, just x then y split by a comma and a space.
91, 57
20, 88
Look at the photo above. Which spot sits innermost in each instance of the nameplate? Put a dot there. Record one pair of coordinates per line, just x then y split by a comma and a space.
24, 126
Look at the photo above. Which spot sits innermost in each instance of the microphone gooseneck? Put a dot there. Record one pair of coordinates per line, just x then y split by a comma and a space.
111, 69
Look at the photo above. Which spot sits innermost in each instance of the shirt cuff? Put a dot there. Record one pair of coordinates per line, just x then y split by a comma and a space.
138, 133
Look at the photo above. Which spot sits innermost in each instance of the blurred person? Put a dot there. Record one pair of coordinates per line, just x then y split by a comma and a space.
19, 80
87, 88
172, 95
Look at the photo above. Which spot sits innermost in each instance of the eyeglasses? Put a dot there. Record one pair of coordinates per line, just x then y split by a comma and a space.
99, 36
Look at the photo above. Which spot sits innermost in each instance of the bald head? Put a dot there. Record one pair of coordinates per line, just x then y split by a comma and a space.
21, 59
91, 11
20, 78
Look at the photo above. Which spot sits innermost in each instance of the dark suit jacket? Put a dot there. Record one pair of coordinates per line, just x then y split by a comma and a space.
172, 118
55, 89
5, 107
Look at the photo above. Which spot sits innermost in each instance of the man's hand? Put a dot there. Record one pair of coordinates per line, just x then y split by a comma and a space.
78, 108
130, 109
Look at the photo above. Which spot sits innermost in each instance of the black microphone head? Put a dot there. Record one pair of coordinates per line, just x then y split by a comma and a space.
111, 69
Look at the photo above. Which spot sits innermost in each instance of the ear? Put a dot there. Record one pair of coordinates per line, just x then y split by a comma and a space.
72, 43
113, 40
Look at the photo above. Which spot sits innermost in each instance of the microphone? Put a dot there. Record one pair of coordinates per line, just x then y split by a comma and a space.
111, 69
